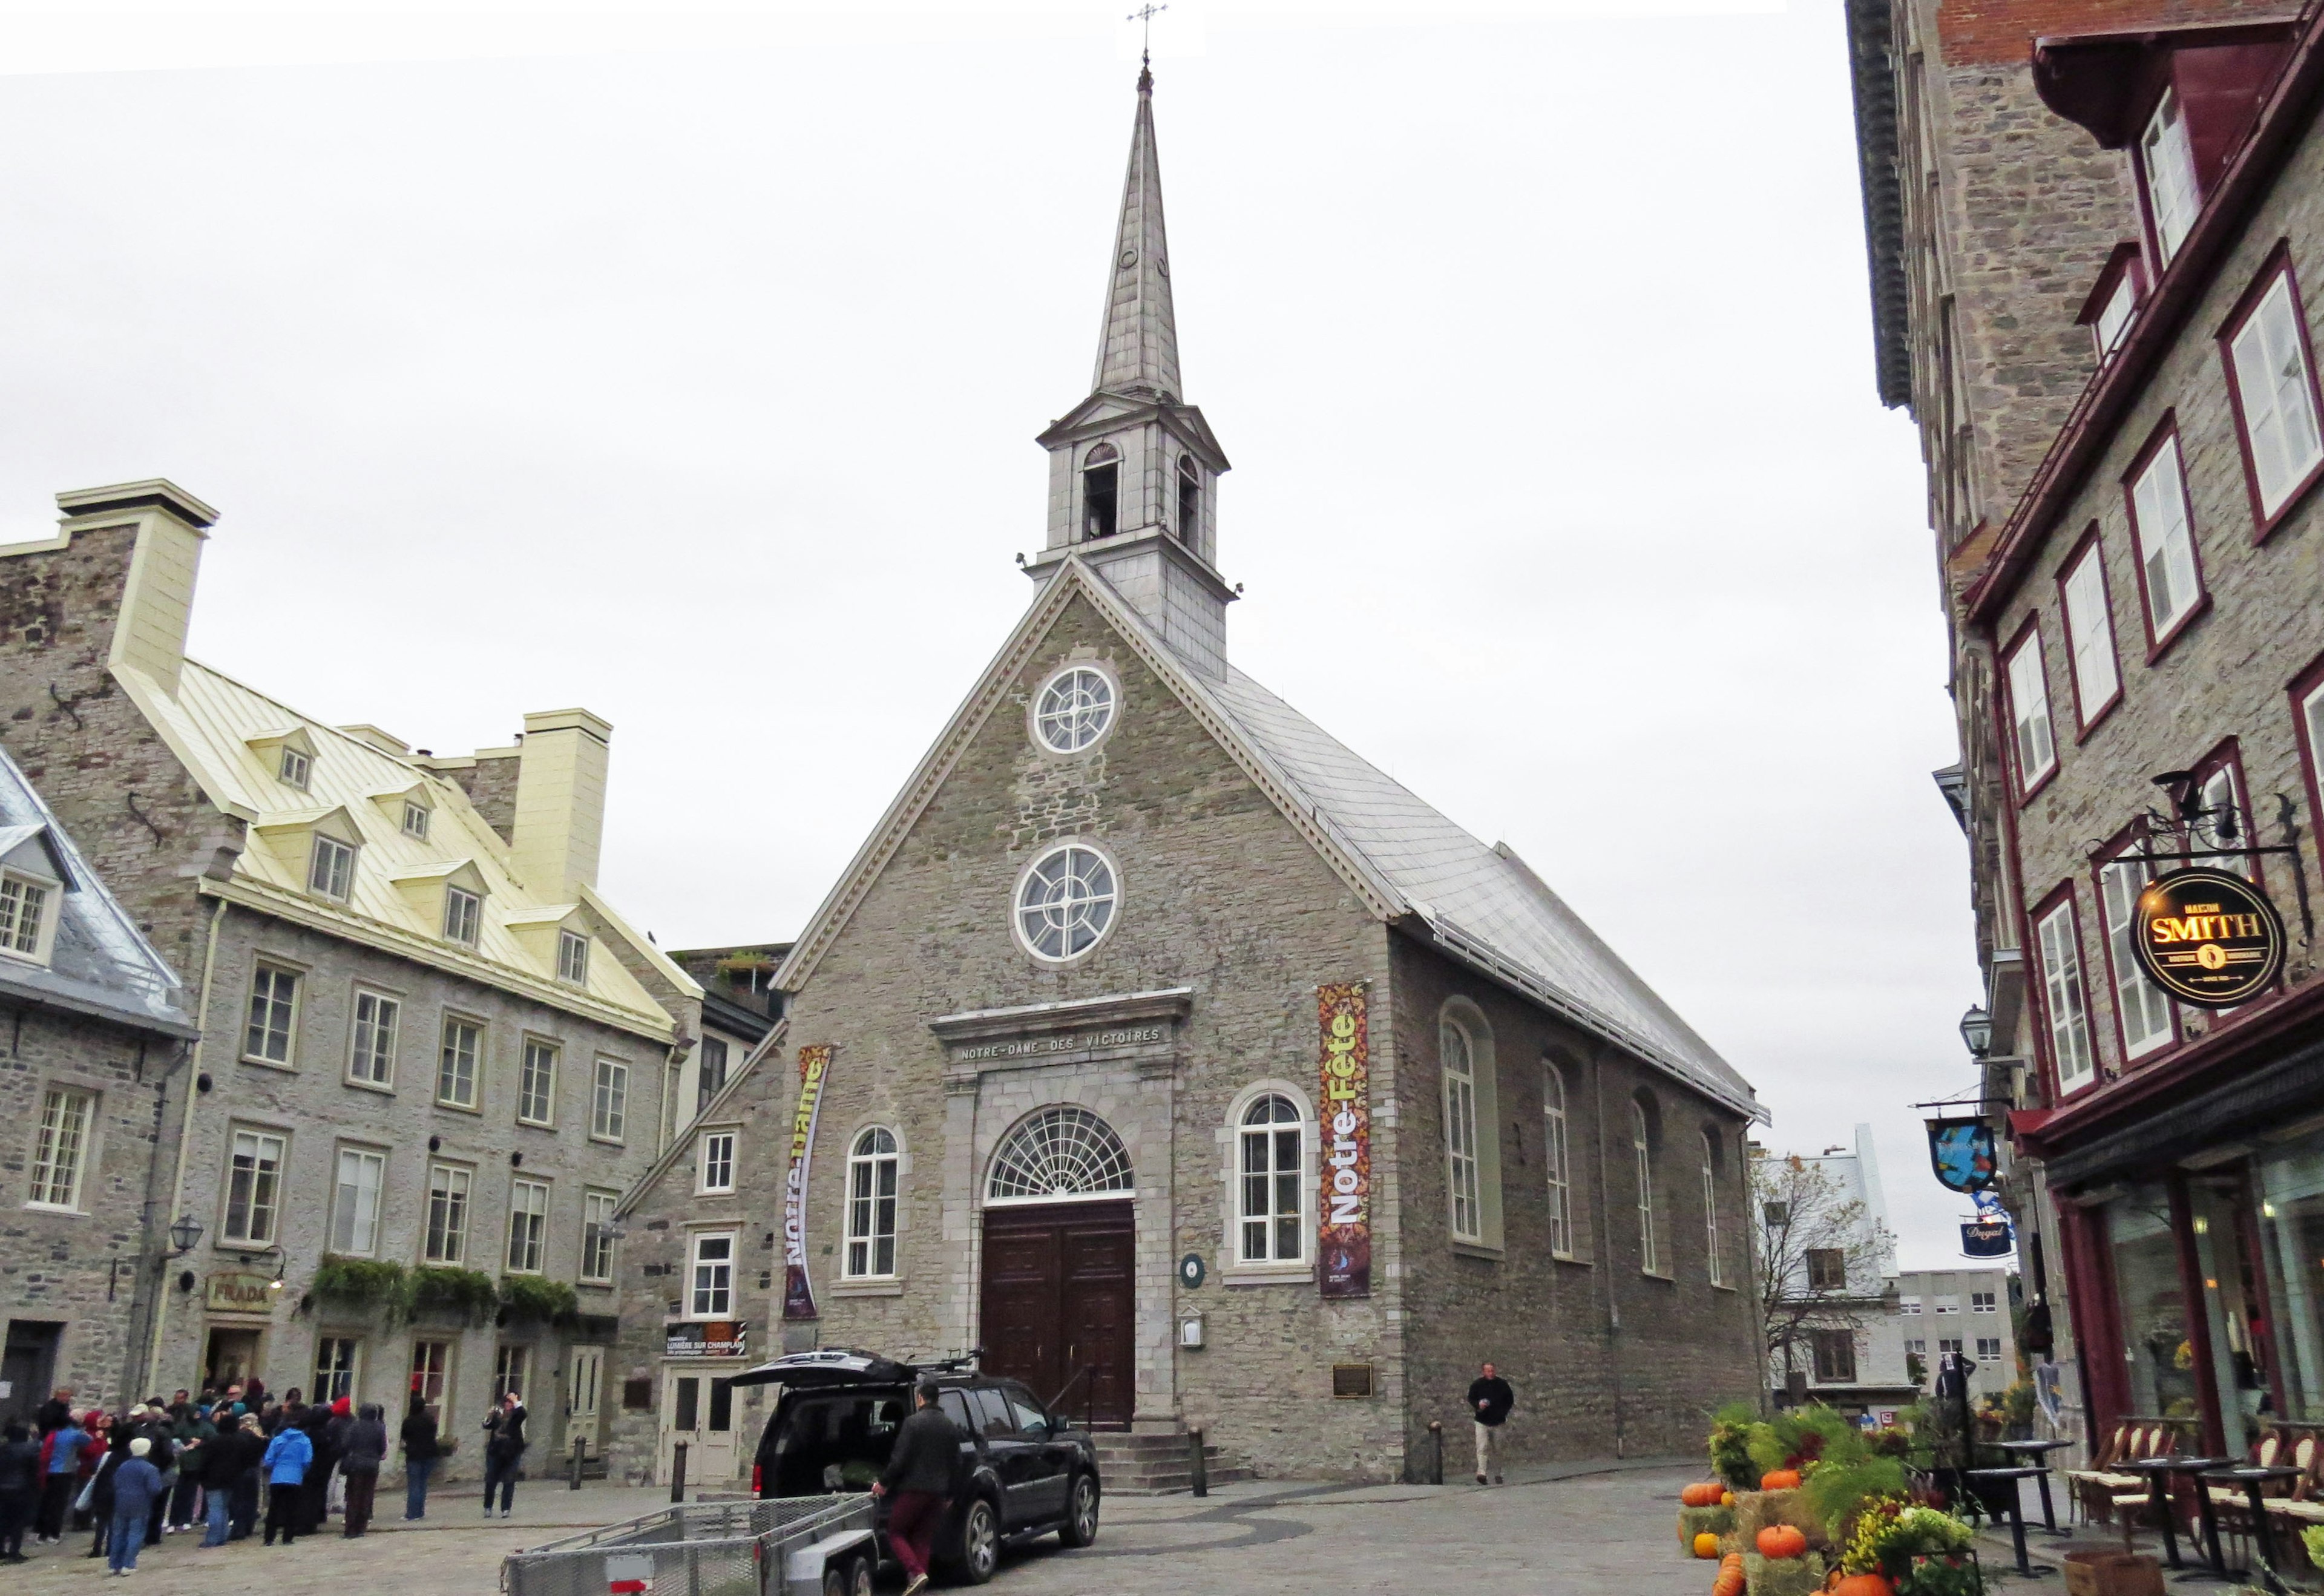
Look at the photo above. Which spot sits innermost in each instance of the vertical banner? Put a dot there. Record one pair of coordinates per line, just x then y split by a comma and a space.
798, 1294
1343, 1204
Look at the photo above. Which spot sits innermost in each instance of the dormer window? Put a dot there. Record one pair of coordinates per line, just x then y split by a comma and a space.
26, 907
463, 912
2113, 316
331, 868
2113, 302
415, 820
295, 767
1101, 492
2166, 158
573, 958
1190, 500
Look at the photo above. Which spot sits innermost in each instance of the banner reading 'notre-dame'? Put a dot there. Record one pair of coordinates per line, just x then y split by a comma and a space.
798, 1294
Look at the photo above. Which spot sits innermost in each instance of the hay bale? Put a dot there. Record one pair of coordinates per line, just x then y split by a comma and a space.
1755, 1510
1695, 1521
1783, 1576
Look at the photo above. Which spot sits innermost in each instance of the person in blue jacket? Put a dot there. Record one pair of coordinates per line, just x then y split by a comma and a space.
288, 1457
136, 1487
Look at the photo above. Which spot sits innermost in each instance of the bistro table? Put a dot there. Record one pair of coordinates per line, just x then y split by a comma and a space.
2158, 1471
2253, 1478
2037, 1453
2009, 1479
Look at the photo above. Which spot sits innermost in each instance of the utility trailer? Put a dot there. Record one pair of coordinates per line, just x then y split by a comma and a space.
800, 1545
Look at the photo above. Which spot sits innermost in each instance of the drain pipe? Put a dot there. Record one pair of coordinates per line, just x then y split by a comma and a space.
185, 1137
1606, 1246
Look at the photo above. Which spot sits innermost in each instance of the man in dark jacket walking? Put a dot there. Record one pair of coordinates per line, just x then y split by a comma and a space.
1490, 1401
918, 1484
420, 1450
366, 1448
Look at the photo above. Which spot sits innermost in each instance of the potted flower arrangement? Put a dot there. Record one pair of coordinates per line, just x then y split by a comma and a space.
1910, 1549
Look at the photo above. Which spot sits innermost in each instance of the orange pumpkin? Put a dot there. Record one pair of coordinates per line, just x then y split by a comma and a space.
1779, 1541
1730, 1582
1704, 1494
1706, 1545
1863, 1584
1780, 1480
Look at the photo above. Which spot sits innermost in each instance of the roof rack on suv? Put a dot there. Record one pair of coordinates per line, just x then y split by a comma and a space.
958, 1363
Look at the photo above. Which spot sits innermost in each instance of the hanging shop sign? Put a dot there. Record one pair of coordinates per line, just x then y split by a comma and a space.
1985, 1237
2207, 936
798, 1292
1344, 1207
1962, 1153
233, 1292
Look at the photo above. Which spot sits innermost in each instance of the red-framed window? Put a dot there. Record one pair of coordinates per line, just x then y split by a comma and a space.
2163, 536
2145, 1021
2025, 696
2220, 790
2307, 692
2065, 995
2092, 666
2172, 194
2272, 385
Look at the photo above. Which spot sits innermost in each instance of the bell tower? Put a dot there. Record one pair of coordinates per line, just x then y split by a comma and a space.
1133, 472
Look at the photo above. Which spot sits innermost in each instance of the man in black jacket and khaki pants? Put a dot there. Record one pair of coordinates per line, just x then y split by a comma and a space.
1490, 1401
918, 1484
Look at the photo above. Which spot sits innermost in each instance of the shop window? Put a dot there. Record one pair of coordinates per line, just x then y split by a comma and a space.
2291, 1192
2158, 1352
2220, 1216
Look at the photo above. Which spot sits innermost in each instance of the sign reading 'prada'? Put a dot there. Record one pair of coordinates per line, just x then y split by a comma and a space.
2207, 936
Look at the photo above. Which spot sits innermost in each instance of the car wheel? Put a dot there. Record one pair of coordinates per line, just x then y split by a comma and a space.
1080, 1527
980, 1541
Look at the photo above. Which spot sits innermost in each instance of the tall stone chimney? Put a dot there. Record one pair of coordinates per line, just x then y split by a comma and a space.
149, 635
560, 802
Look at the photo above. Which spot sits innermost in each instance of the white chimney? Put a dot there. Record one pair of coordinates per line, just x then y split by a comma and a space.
560, 802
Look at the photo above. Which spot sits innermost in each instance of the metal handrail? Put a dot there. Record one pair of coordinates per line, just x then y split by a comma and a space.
1089, 1397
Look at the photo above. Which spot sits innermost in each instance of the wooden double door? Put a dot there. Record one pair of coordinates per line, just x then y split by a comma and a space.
1060, 1295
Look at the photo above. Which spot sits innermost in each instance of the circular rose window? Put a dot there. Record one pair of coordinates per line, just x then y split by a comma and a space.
1072, 710
1065, 902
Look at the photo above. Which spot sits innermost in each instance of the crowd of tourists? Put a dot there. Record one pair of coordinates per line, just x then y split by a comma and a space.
227, 1464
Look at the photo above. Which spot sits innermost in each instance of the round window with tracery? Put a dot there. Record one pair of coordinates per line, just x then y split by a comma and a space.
1072, 710
1065, 901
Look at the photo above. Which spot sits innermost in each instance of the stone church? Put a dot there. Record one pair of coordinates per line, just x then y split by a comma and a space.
1190, 1068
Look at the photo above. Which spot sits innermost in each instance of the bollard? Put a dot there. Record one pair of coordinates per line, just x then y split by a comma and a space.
580, 1446
1437, 1451
678, 1473
1202, 1465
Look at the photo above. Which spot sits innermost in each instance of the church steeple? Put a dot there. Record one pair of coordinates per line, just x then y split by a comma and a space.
1133, 473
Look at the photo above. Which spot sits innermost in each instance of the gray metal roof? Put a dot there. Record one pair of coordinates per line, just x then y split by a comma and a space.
99, 964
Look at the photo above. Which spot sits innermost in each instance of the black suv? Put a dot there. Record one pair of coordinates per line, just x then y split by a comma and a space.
1023, 1470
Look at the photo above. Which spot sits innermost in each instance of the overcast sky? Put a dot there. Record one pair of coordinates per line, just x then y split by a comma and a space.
689, 370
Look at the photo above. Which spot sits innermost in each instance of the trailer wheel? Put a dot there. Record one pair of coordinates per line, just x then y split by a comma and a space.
859, 1574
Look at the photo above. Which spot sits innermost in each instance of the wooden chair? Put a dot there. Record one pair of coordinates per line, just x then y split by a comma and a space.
2299, 1508
2092, 1488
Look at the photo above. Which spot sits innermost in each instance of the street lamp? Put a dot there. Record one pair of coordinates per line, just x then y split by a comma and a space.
186, 1233
1976, 1030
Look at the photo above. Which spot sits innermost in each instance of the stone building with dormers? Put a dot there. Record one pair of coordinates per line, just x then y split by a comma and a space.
1188, 1066
431, 1056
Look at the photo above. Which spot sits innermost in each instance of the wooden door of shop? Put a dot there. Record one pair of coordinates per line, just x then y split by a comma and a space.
1060, 1283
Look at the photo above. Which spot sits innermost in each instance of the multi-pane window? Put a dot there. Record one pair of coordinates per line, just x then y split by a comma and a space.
2114, 318
24, 906
2277, 394
455, 1063
873, 1170
2168, 157
2166, 541
337, 1359
355, 1206
1827, 1268
1643, 1152
597, 1236
273, 1015
2220, 832
448, 1214
1269, 1163
331, 868
1461, 1159
2062, 988
2029, 713
609, 1101
511, 1368
295, 767
2090, 634
573, 957
60, 1150
372, 1059
528, 1237
1988, 1346
1948, 1344
2144, 1012
1908, 1304
717, 1161
415, 820
254, 1191
1711, 1208
712, 1293
1949, 1303
1558, 1165
464, 912
432, 1370
1981, 1301
536, 1083
711, 1073
1835, 1356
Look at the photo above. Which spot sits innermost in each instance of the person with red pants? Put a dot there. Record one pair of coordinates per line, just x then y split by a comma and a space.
918, 1484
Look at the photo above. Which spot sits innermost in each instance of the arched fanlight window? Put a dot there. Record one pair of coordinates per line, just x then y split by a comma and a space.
1101, 494
1059, 1153
1642, 1147
1553, 1156
872, 1167
1711, 1205
1268, 1166
1461, 1153
1190, 501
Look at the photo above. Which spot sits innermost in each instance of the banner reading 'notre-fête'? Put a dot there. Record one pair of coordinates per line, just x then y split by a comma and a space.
798, 1294
1343, 1208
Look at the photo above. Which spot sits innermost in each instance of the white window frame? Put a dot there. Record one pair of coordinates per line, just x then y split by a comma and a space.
64, 1145
1270, 1137
2222, 786
295, 767
2167, 164
1464, 1162
1988, 1346
609, 1101
431, 1377
1711, 1210
372, 1038
597, 1236
355, 1205
573, 958
2143, 1016
2064, 997
2275, 395
536, 1086
512, 1370
271, 977
330, 868
713, 1163
1982, 1302
2164, 527
873, 1214
29, 907
710, 1281
464, 916
261, 1194
528, 1231
2096, 669
416, 819
1557, 1160
458, 1065
2030, 734
1095, 910
1074, 709
451, 1208
337, 1369
1650, 1260
2115, 316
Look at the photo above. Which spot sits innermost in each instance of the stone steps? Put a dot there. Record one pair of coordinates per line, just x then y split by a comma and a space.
1159, 1464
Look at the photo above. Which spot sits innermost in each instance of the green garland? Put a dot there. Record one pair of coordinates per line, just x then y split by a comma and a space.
548, 1302
470, 1293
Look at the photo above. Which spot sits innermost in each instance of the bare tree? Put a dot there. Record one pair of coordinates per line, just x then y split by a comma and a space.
1823, 1257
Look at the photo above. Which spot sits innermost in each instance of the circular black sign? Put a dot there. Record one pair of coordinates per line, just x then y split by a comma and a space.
2207, 936
1190, 1269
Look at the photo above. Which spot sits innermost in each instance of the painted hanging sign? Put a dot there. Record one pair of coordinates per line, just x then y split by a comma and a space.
1344, 1204
2207, 936
1962, 1153
1985, 1237
798, 1292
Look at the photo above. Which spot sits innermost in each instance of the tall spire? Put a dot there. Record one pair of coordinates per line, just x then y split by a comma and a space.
1138, 347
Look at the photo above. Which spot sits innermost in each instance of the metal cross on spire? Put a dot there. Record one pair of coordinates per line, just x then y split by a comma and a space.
1144, 16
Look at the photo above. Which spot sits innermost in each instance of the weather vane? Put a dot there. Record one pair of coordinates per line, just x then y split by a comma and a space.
1144, 16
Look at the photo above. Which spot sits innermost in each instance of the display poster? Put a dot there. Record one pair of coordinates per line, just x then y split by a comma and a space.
798, 1292
1343, 1207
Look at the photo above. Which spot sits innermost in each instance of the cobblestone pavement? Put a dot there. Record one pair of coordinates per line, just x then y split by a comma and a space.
1547, 1533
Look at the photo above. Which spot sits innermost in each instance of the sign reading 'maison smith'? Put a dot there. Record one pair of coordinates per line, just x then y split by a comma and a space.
2207, 936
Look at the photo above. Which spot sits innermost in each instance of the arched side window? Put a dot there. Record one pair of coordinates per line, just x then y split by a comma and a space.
1643, 1149
1555, 1160
1711, 1205
1101, 492
1271, 1164
873, 1169
1462, 1178
1190, 501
